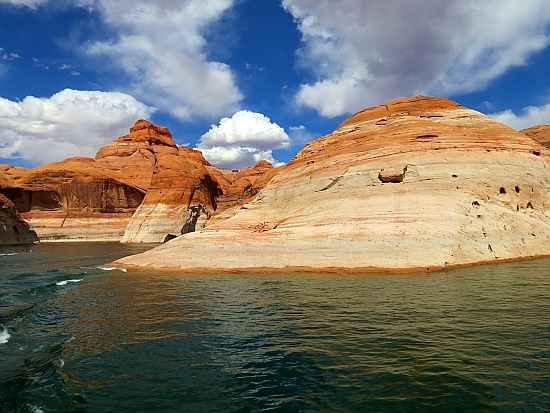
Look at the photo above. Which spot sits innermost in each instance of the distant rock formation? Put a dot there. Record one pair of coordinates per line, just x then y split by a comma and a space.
13, 230
417, 184
141, 187
239, 187
73, 200
540, 133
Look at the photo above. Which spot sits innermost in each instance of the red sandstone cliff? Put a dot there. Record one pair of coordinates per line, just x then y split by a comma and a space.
75, 199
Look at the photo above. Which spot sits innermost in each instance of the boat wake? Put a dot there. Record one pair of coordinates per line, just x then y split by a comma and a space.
113, 268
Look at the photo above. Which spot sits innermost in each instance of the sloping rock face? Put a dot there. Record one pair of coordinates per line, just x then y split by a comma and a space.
540, 133
417, 184
13, 230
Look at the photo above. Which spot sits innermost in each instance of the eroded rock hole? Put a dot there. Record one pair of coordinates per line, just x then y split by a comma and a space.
517, 189
529, 205
475, 203
502, 190
427, 136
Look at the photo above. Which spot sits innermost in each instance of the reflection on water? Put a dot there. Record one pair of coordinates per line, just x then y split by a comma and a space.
475, 339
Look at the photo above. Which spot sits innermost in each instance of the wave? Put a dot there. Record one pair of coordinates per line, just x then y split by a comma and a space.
67, 281
113, 268
7, 254
4, 336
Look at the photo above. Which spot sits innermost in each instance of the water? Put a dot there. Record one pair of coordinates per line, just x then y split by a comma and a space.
76, 338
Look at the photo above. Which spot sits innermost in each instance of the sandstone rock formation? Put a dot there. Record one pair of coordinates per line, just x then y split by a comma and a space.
540, 133
83, 199
72, 200
13, 230
134, 155
181, 197
417, 184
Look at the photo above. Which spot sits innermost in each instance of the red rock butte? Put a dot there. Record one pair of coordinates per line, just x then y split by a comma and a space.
417, 184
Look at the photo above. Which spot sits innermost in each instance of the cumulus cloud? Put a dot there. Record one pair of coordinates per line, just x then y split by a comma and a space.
364, 52
529, 116
161, 47
69, 123
243, 140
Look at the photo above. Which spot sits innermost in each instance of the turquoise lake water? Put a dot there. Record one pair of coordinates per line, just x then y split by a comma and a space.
77, 338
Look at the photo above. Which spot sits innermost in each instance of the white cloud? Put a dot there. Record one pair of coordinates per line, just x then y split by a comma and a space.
363, 52
29, 3
237, 157
530, 116
33, 4
69, 123
11, 56
161, 47
243, 140
249, 129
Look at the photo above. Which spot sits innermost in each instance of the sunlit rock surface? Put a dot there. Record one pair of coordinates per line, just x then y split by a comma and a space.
419, 183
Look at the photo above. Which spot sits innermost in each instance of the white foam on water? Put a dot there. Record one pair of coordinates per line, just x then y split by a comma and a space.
67, 281
113, 268
8, 254
4, 336
35, 409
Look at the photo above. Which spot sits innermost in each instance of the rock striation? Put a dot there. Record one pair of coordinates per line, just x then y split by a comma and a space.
417, 184
13, 230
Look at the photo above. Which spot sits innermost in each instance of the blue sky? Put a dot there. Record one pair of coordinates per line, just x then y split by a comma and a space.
244, 80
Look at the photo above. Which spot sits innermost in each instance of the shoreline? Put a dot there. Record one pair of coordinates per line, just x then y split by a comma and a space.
322, 270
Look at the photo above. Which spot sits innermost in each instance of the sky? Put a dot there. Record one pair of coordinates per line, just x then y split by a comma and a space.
246, 80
